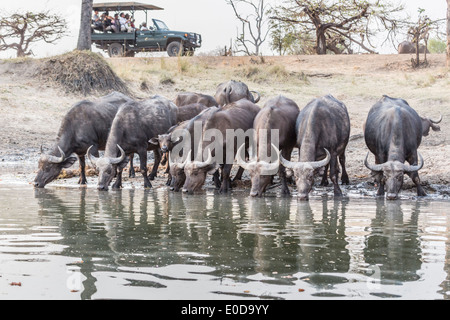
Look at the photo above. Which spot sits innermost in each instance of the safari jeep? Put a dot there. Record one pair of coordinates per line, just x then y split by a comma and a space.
158, 37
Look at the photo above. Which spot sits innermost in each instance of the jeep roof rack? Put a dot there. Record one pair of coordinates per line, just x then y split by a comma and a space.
125, 6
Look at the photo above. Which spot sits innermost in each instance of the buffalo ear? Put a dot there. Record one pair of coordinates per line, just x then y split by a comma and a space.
67, 163
320, 171
289, 173
123, 164
213, 168
154, 141
435, 127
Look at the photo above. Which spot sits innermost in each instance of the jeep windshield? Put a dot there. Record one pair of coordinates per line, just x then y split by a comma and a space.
160, 25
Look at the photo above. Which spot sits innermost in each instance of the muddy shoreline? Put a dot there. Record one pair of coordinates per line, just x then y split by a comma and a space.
22, 171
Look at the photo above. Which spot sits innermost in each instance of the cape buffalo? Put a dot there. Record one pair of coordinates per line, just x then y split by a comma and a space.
279, 114
406, 47
237, 115
86, 123
231, 91
428, 123
134, 125
189, 111
323, 131
187, 98
393, 133
176, 167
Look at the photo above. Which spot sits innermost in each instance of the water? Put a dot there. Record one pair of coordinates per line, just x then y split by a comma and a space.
74, 243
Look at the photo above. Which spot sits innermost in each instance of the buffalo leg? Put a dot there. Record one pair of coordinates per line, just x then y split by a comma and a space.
334, 172
169, 176
344, 177
132, 173
82, 160
324, 182
118, 183
239, 174
286, 153
241, 170
157, 156
415, 178
379, 177
216, 179
226, 182
143, 168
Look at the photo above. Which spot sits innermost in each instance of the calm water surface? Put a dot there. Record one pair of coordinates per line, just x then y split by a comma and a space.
70, 243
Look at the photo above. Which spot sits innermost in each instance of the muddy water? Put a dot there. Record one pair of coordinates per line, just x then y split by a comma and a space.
72, 243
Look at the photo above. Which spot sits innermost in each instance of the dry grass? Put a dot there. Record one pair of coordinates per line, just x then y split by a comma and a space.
80, 72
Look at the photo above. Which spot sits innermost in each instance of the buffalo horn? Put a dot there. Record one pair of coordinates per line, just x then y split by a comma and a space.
436, 121
91, 158
118, 159
53, 159
375, 167
409, 168
322, 163
273, 165
206, 163
258, 96
241, 162
315, 164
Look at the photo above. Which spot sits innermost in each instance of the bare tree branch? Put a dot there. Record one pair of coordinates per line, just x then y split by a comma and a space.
339, 21
20, 30
255, 24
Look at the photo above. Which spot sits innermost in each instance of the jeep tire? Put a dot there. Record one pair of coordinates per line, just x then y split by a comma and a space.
115, 50
174, 49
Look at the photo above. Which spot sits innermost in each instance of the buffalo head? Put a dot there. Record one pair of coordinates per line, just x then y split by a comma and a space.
304, 173
392, 173
428, 123
50, 167
196, 172
261, 172
177, 173
107, 167
165, 142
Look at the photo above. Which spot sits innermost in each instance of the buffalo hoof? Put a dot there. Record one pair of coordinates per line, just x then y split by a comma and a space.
223, 190
148, 186
345, 181
324, 183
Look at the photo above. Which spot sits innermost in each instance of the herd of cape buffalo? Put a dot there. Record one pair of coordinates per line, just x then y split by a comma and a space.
121, 127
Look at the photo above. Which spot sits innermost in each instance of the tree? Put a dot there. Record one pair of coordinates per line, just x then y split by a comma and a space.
340, 22
84, 37
420, 31
448, 33
20, 30
285, 40
255, 24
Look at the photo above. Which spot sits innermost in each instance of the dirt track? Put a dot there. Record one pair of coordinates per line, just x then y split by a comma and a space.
31, 110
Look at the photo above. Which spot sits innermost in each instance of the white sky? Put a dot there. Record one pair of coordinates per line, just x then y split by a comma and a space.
213, 19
